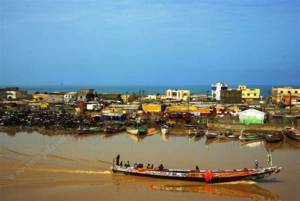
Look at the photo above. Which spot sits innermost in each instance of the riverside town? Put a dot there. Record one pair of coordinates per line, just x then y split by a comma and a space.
222, 113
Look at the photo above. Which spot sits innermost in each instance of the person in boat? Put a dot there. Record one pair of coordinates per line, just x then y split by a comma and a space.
127, 164
118, 159
152, 166
256, 164
197, 168
121, 163
161, 167
148, 166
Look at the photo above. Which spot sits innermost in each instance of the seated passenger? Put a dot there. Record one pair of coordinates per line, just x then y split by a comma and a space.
161, 167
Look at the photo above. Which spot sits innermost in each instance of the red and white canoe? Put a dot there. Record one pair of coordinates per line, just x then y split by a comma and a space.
209, 176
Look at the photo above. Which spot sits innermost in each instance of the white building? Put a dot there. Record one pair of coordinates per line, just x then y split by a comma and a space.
252, 116
93, 106
178, 94
216, 90
70, 96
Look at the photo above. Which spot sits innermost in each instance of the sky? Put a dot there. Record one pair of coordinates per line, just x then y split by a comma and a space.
149, 42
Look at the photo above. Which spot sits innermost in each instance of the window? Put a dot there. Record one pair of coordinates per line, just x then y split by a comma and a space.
281, 92
255, 94
296, 92
248, 94
289, 92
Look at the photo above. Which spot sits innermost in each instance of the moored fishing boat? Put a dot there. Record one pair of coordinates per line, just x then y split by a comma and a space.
274, 137
89, 130
292, 134
113, 129
250, 136
164, 130
137, 131
210, 135
208, 176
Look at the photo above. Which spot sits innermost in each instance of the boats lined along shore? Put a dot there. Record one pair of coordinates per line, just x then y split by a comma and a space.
197, 175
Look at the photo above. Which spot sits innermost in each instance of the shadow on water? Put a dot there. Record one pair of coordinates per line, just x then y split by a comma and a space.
270, 180
244, 189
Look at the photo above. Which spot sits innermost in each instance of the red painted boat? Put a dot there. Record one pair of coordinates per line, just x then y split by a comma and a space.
208, 176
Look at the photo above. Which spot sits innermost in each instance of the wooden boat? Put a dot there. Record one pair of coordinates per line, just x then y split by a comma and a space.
221, 136
210, 135
151, 131
194, 132
113, 129
250, 136
233, 136
292, 134
88, 130
208, 176
164, 130
137, 131
274, 137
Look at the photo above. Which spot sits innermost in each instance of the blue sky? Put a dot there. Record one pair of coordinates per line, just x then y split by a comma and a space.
149, 42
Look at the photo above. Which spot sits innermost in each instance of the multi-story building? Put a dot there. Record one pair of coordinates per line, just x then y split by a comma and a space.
178, 94
83, 94
12, 93
70, 97
279, 93
249, 94
231, 96
216, 90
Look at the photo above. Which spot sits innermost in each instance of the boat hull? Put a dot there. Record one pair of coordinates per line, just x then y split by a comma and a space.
293, 136
201, 176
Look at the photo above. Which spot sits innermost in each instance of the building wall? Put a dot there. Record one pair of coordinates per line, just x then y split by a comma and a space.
231, 96
290, 100
40, 97
151, 107
250, 93
216, 90
251, 120
178, 94
279, 92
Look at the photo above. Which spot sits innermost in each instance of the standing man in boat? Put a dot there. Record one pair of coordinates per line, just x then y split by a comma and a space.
256, 164
118, 159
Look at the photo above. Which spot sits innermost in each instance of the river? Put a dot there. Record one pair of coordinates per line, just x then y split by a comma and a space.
65, 167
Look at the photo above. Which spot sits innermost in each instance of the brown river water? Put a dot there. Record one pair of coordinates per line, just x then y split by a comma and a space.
64, 167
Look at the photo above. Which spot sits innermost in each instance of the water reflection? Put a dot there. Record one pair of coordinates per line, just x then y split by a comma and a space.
136, 138
240, 190
245, 190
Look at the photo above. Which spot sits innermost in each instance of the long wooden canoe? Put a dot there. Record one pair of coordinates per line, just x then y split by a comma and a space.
208, 176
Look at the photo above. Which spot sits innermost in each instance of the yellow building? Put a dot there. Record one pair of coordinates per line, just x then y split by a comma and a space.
188, 108
40, 97
278, 93
178, 94
151, 108
125, 98
249, 94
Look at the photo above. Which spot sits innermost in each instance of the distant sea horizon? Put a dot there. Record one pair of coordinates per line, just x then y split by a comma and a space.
138, 89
